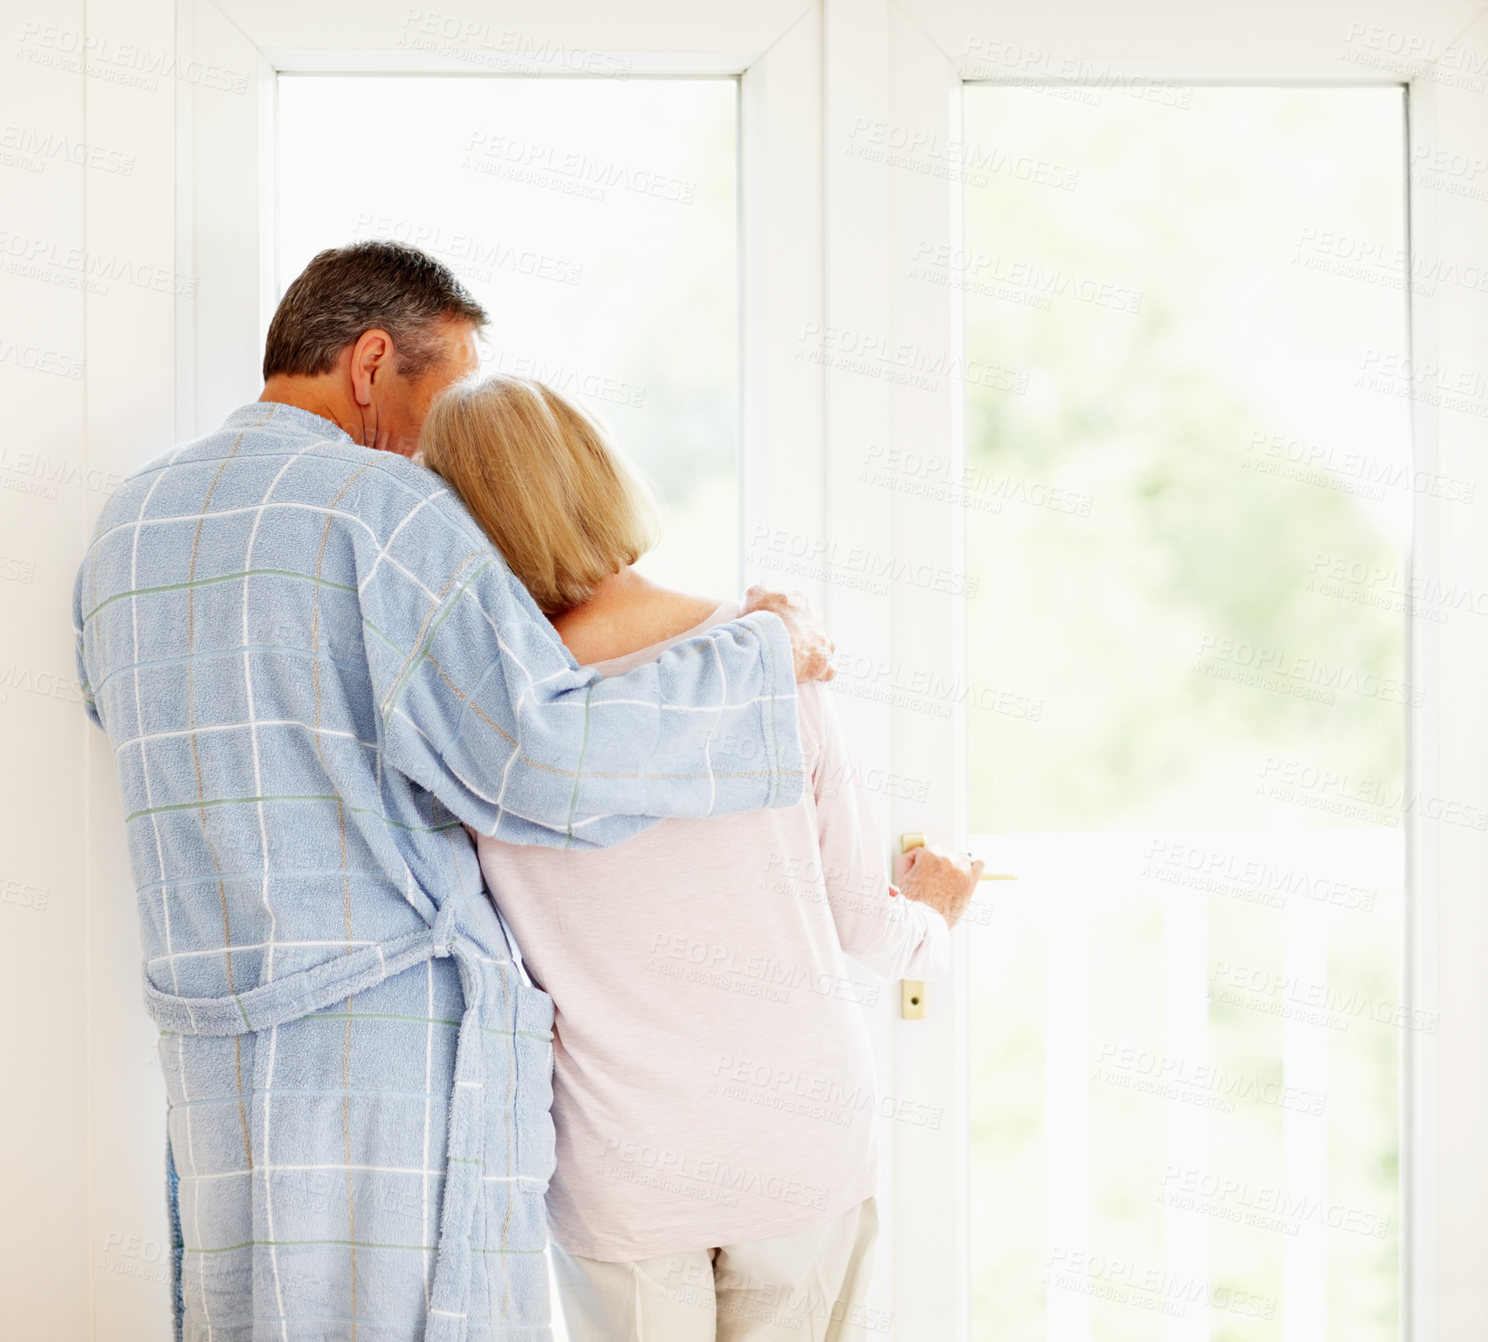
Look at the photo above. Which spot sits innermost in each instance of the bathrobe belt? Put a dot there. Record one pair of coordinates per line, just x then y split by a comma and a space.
299, 995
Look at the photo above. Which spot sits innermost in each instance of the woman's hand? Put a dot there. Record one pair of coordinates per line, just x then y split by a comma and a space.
944, 881
811, 649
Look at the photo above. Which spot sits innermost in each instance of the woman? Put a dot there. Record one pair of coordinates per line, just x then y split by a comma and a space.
713, 1090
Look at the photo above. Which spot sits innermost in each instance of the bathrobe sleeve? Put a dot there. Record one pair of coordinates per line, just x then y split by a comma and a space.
480, 703
90, 704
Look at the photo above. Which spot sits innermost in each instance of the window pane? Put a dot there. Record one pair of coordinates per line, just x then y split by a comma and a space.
596, 221
1188, 529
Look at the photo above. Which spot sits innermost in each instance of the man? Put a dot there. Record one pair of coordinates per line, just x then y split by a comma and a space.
313, 670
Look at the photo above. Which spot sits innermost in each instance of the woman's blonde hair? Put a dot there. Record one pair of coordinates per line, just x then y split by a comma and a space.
555, 496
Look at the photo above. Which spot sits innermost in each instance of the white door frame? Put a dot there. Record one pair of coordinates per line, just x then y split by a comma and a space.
1445, 1105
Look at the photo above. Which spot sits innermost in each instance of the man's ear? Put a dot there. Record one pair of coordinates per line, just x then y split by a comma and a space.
370, 355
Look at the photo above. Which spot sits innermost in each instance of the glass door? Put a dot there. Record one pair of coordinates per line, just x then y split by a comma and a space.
1186, 535
596, 219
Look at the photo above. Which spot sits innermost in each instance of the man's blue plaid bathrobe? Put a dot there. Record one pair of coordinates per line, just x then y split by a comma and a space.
312, 668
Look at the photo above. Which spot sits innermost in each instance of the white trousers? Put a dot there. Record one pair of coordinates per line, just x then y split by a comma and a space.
808, 1286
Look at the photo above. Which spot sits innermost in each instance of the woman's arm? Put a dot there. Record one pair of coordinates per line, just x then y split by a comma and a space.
884, 932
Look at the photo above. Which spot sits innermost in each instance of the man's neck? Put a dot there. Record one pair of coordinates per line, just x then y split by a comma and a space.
317, 395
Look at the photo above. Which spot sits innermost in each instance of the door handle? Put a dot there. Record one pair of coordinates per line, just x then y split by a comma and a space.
913, 999
917, 840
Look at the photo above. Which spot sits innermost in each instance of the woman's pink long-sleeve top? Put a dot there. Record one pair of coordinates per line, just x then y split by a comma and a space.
713, 1077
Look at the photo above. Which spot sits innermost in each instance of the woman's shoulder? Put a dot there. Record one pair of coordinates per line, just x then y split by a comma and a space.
629, 615
687, 611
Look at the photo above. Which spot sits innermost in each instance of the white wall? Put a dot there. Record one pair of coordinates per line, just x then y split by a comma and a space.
88, 289
43, 787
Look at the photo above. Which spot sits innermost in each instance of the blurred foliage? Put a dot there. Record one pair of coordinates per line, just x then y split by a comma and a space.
1150, 417
1172, 537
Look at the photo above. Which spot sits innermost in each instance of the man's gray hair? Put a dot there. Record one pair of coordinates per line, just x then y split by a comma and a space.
377, 285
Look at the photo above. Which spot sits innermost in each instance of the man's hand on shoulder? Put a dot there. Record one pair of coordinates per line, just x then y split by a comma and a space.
944, 881
811, 649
